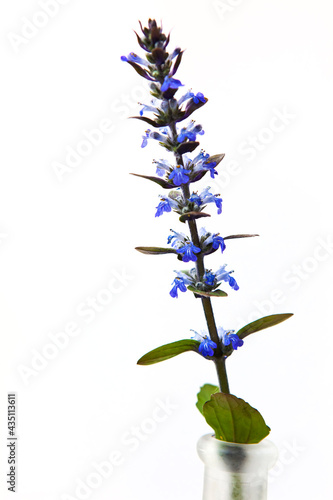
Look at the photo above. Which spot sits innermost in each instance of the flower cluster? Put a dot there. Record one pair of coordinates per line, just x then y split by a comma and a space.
209, 282
165, 114
189, 171
195, 203
227, 337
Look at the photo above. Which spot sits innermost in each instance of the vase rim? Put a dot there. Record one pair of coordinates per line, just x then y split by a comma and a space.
212, 451
212, 437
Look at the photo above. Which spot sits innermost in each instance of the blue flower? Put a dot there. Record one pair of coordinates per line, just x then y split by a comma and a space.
185, 97
207, 197
218, 241
179, 175
177, 239
211, 167
207, 346
147, 107
211, 239
162, 166
145, 138
188, 251
188, 277
178, 284
233, 283
170, 83
190, 132
235, 341
223, 275
228, 336
201, 158
132, 57
186, 134
160, 137
201, 162
199, 97
209, 278
218, 203
183, 246
195, 198
163, 206
167, 203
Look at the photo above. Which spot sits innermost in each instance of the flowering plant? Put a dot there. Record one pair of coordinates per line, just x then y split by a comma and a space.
231, 418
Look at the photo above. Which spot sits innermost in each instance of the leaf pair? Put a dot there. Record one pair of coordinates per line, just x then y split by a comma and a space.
169, 351
169, 185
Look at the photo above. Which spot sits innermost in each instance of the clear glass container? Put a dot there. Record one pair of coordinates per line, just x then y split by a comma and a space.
236, 471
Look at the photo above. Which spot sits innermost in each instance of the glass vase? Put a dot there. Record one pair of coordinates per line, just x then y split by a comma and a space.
236, 471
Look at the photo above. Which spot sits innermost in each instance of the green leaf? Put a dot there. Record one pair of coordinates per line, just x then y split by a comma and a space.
215, 293
233, 236
155, 250
149, 121
164, 184
168, 351
140, 42
234, 420
262, 323
192, 215
205, 394
177, 62
187, 147
140, 71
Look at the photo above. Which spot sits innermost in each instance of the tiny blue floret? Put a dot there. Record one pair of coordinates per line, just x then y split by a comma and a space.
209, 278
199, 97
163, 206
223, 275
218, 241
211, 167
178, 284
145, 138
188, 251
170, 83
228, 336
207, 346
179, 175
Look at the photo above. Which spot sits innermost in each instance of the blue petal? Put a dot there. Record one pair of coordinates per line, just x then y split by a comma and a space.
206, 347
178, 284
235, 341
170, 83
163, 206
233, 283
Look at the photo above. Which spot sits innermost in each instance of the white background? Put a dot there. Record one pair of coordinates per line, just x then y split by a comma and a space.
65, 238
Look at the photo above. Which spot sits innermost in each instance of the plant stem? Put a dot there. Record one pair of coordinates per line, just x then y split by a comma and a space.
219, 358
236, 487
